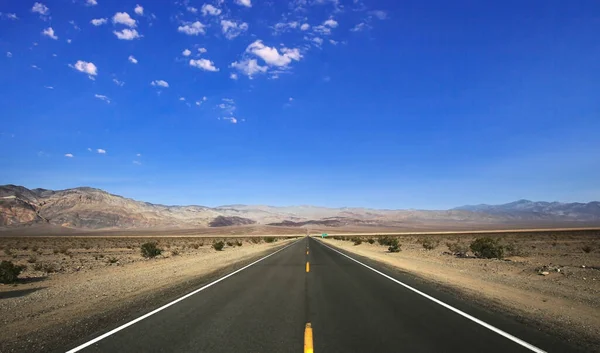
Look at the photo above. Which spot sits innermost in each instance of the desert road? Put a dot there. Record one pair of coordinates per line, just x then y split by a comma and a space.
308, 297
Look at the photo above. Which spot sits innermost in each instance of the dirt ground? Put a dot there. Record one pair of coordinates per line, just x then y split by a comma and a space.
552, 278
71, 281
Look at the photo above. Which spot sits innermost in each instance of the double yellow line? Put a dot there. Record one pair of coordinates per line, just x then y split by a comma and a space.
308, 334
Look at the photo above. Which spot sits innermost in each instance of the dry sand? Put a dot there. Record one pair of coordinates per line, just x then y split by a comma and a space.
566, 300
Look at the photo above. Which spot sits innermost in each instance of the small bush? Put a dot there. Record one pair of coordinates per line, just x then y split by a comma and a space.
587, 249
49, 268
458, 248
174, 252
487, 248
195, 246
371, 240
256, 240
112, 260
357, 241
32, 259
269, 239
65, 250
394, 245
9, 272
386, 241
55, 251
150, 250
34, 248
513, 249
218, 245
238, 243
230, 243
430, 244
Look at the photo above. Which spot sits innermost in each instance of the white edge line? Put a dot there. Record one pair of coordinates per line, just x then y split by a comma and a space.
447, 306
111, 332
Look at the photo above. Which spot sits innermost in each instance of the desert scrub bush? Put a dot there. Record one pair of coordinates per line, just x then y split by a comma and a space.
269, 239
195, 246
32, 259
357, 241
112, 260
430, 244
385, 241
238, 243
394, 245
458, 248
150, 250
587, 249
256, 240
9, 272
8, 252
513, 249
174, 252
218, 245
48, 268
230, 243
371, 240
487, 248
34, 248
64, 250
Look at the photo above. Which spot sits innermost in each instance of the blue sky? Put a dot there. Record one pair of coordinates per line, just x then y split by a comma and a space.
386, 104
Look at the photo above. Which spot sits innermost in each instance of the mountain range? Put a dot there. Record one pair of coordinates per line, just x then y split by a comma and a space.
90, 208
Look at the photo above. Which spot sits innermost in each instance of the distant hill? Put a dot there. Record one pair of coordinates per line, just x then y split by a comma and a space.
89, 208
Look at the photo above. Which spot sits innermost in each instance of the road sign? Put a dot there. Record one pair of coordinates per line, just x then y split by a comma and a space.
323, 235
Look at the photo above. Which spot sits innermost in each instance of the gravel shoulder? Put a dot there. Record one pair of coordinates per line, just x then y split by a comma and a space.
46, 311
565, 301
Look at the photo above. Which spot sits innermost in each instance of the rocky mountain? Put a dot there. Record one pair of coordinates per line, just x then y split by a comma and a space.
532, 210
89, 208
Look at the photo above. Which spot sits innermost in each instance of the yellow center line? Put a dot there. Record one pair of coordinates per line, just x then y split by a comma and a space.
308, 339
307, 267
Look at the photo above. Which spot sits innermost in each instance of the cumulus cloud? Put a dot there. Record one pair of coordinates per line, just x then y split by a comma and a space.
124, 19
91, 2
49, 32
69, 155
86, 67
202, 50
186, 52
118, 83
132, 59
192, 28
192, 9
233, 76
305, 27
160, 83
139, 10
359, 27
102, 97
9, 54
98, 21
182, 99
101, 151
322, 29
233, 29
127, 34
208, 9
203, 64
247, 3
249, 67
272, 56
330, 23
138, 155
40, 8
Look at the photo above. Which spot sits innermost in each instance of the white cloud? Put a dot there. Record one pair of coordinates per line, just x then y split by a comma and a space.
182, 99
89, 149
98, 21
35, 67
139, 10
132, 59
124, 19
290, 99
138, 155
101, 151
9, 54
208, 9
322, 29
334, 42
318, 40
127, 34
10, 16
359, 27
91, 3
382, 15
186, 52
231, 119
330, 23
249, 67
202, 50
102, 97
69, 41
49, 32
271, 55
160, 83
49, 87
69, 155
137, 162
192, 9
75, 26
118, 83
203, 64
285, 26
86, 67
247, 3
192, 29
304, 27
233, 29
198, 103
40, 8
233, 76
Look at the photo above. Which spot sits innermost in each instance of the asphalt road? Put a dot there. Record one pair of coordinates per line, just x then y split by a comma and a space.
265, 308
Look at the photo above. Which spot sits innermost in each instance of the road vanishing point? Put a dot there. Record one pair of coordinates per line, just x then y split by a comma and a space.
309, 297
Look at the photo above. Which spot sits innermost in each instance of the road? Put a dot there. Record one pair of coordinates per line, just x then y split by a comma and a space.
351, 308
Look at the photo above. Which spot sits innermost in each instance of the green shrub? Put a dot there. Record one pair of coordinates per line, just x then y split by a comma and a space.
394, 245
487, 248
239, 243
357, 241
269, 239
218, 245
229, 243
371, 240
9, 272
150, 250
430, 244
386, 241
458, 248
256, 240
